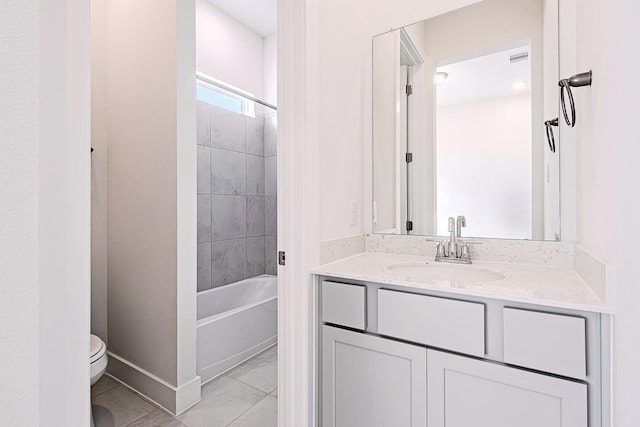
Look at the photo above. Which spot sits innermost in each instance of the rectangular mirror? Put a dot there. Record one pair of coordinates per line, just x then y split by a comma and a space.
459, 105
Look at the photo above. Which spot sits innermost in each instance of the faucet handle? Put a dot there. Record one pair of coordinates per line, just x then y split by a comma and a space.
440, 250
464, 252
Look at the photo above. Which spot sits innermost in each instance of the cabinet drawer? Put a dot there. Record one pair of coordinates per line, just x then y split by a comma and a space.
344, 304
438, 322
547, 342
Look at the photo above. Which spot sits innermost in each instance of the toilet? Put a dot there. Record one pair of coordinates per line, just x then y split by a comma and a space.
98, 360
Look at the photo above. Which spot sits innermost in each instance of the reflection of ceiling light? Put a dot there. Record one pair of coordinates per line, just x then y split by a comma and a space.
519, 85
440, 77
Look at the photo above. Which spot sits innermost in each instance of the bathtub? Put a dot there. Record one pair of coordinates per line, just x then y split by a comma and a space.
235, 322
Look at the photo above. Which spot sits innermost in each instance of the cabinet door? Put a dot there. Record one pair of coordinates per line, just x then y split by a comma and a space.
464, 392
370, 381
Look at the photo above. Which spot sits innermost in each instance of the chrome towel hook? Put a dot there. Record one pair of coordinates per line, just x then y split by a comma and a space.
578, 80
550, 139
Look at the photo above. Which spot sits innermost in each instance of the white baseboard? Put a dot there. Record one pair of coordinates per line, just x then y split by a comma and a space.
174, 399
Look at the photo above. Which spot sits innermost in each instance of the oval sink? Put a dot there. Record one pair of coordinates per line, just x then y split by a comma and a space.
422, 271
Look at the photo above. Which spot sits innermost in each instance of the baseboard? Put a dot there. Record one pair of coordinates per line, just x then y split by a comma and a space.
174, 399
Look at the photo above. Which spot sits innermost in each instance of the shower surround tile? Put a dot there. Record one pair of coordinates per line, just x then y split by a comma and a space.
204, 170
228, 262
204, 266
255, 256
228, 172
228, 130
255, 135
270, 215
271, 135
270, 255
255, 175
204, 218
270, 172
228, 217
234, 215
255, 216
203, 123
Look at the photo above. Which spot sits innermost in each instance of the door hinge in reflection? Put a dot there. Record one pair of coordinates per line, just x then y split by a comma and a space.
409, 89
409, 225
408, 157
281, 257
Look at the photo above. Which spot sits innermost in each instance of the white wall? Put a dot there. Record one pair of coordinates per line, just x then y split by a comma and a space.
99, 169
227, 50
491, 181
44, 231
607, 173
152, 195
271, 69
19, 243
64, 209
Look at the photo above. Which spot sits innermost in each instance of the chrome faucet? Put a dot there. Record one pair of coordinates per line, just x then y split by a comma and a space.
460, 222
450, 252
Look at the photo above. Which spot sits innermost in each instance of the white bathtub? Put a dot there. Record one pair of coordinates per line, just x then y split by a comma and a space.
235, 322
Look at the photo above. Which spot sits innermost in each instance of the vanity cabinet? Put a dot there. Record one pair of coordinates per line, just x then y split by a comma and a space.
394, 357
372, 381
464, 392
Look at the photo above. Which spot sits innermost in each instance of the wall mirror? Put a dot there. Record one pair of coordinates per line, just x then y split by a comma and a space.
459, 105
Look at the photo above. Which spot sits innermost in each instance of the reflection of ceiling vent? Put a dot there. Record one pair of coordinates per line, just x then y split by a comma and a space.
517, 57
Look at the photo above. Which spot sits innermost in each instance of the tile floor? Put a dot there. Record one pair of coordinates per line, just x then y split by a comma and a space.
246, 396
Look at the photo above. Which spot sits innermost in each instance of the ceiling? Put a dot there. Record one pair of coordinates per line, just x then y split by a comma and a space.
260, 16
485, 77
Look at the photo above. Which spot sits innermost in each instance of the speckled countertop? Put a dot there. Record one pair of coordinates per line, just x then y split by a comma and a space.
551, 286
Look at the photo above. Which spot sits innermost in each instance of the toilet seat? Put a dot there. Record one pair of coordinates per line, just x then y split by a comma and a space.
97, 349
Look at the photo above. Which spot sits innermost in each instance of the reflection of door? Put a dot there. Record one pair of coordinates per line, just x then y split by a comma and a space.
403, 150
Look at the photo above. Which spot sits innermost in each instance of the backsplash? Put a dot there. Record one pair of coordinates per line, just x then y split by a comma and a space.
236, 195
335, 249
558, 254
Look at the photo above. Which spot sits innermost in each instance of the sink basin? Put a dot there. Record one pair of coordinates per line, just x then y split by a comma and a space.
427, 272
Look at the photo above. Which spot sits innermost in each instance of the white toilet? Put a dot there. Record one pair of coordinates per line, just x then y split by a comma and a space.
98, 360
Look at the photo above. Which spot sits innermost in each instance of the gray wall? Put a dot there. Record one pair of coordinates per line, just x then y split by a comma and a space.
236, 195
150, 189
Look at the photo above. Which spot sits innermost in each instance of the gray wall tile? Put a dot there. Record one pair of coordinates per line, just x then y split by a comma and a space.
271, 135
204, 170
255, 175
228, 262
204, 266
270, 216
270, 255
228, 130
255, 216
228, 217
255, 135
203, 123
204, 218
255, 256
228, 172
270, 172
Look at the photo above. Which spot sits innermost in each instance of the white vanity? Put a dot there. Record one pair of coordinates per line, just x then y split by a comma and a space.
491, 344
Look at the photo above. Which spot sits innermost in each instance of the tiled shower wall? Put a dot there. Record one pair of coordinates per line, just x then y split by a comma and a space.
236, 195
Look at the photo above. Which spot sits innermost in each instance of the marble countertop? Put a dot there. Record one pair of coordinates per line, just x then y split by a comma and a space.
545, 285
